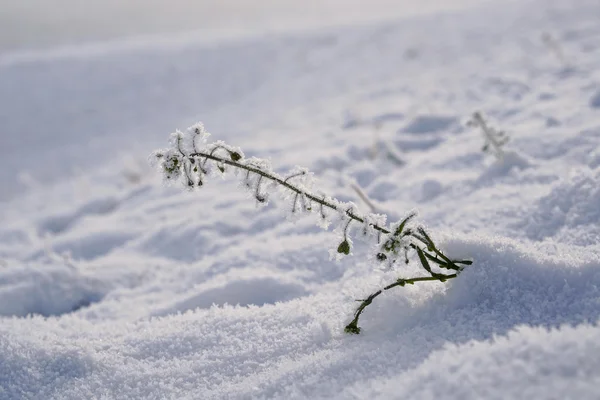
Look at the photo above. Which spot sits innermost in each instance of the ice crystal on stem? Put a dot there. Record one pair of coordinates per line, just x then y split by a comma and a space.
190, 160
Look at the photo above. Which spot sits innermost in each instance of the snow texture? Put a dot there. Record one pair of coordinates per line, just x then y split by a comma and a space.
114, 285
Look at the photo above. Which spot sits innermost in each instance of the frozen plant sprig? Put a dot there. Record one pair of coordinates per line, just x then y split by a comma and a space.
494, 140
190, 160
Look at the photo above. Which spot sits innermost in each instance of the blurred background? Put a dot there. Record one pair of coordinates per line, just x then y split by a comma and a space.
84, 82
27, 24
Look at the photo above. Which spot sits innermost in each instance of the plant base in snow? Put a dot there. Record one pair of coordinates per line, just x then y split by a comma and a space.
190, 160
353, 327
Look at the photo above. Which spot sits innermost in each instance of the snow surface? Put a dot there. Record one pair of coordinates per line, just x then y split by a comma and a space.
115, 286
35, 24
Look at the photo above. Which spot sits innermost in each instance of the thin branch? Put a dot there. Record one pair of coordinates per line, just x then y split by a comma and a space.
294, 176
284, 183
353, 327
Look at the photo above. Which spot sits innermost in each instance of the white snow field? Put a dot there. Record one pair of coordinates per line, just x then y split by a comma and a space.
115, 286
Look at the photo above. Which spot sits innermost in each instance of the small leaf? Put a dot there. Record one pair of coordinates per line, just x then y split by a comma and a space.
344, 248
428, 241
403, 223
424, 261
381, 257
235, 156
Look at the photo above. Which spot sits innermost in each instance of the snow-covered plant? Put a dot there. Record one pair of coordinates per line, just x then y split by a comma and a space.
190, 160
494, 140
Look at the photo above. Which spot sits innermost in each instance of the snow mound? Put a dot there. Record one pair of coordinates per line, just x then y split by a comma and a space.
510, 162
538, 363
473, 327
570, 212
60, 223
45, 289
252, 291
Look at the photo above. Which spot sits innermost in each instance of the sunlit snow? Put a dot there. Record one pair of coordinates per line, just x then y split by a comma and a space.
114, 285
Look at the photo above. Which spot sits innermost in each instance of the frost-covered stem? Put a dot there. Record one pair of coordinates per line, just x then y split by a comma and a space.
420, 235
185, 161
353, 327
287, 185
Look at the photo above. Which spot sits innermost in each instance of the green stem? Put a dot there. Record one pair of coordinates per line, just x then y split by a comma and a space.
353, 327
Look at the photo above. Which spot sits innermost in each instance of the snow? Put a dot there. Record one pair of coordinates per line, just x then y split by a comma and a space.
114, 285
45, 289
38, 24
